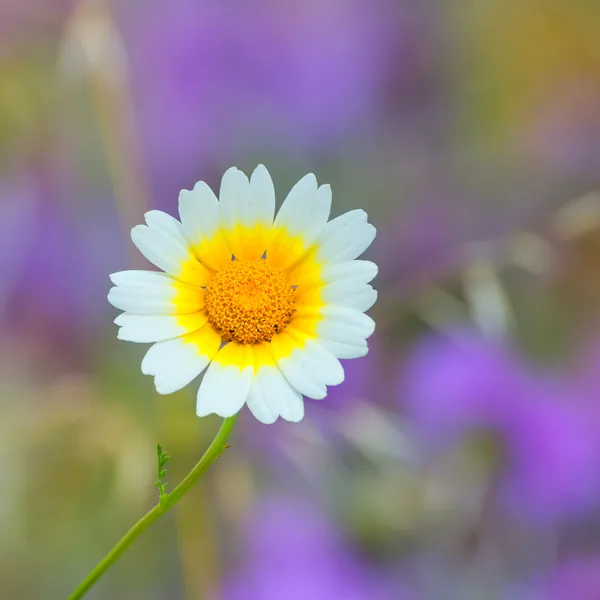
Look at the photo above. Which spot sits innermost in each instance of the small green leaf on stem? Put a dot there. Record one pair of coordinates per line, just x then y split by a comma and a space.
161, 461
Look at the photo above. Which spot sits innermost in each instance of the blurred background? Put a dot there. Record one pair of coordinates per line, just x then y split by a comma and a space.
461, 458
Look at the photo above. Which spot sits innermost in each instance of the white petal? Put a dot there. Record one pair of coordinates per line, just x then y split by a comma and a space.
142, 303
160, 220
345, 220
258, 405
201, 225
237, 220
151, 293
135, 278
151, 301
320, 213
340, 332
226, 385
272, 396
355, 271
326, 365
345, 237
309, 367
157, 328
338, 317
168, 251
262, 199
293, 214
310, 275
344, 334
175, 363
290, 402
305, 210
298, 374
345, 350
199, 213
234, 199
359, 297
362, 300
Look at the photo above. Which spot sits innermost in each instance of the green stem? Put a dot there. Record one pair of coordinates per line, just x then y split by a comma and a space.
166, 503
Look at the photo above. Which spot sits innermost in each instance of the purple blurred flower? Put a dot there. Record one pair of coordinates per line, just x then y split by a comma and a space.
455, 389
576, 579
55, 260
15, 235
292, 551
211, 77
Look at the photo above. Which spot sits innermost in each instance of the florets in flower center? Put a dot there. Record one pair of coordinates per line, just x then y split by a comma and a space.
249, 301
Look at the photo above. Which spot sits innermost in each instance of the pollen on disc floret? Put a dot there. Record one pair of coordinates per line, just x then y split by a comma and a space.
249, 301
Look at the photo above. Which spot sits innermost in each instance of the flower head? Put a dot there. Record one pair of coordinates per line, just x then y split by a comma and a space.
267, 305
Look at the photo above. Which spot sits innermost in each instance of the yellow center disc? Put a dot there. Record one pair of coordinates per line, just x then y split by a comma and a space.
249, 301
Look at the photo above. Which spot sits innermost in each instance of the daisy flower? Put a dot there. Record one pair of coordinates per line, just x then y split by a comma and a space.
267, 305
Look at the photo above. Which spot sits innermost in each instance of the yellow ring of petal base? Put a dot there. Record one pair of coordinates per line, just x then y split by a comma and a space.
250, 301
